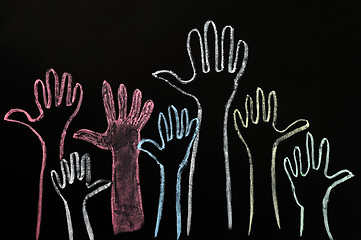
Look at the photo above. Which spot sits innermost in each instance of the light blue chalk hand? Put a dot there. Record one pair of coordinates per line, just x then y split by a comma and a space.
177, 126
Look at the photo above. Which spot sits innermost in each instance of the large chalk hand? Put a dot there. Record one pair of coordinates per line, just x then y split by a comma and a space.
228, 58
49, 96
121, 138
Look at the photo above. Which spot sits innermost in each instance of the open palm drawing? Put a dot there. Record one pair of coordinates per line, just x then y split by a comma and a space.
121, 138
228, 59
317, 168
174, 129
262, 113
72, 174
49, 96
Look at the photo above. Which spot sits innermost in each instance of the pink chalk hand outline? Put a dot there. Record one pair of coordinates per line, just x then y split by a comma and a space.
121, 138
59, 90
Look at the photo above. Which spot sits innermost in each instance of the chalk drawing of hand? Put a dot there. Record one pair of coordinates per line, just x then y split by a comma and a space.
261, 117
228, 57
121, 138
49, 96
176, 129
71, 183
322, 181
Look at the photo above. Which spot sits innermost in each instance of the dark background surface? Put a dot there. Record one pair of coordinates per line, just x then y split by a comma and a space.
307, 51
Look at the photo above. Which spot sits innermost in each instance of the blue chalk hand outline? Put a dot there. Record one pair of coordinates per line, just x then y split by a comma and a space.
183, 128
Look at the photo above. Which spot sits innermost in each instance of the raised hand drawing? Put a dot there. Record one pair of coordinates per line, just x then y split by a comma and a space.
49, 96
263, 113
319, 174
228, 59
177, 128
121, 138
72, 175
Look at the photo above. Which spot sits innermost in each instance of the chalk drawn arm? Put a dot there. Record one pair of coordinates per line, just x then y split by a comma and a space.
121, 138
48, 94
177, 126
297, 169
226, 57
77, 170
264, 109
144, 146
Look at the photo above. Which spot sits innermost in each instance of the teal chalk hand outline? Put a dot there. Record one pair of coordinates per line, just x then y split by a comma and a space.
183, 128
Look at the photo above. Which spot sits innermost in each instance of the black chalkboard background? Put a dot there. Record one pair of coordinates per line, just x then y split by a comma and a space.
307, 51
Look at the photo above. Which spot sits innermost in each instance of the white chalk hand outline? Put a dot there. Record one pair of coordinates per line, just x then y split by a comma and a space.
266, 113
220, 62
297, 170
182, 128
77, 170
